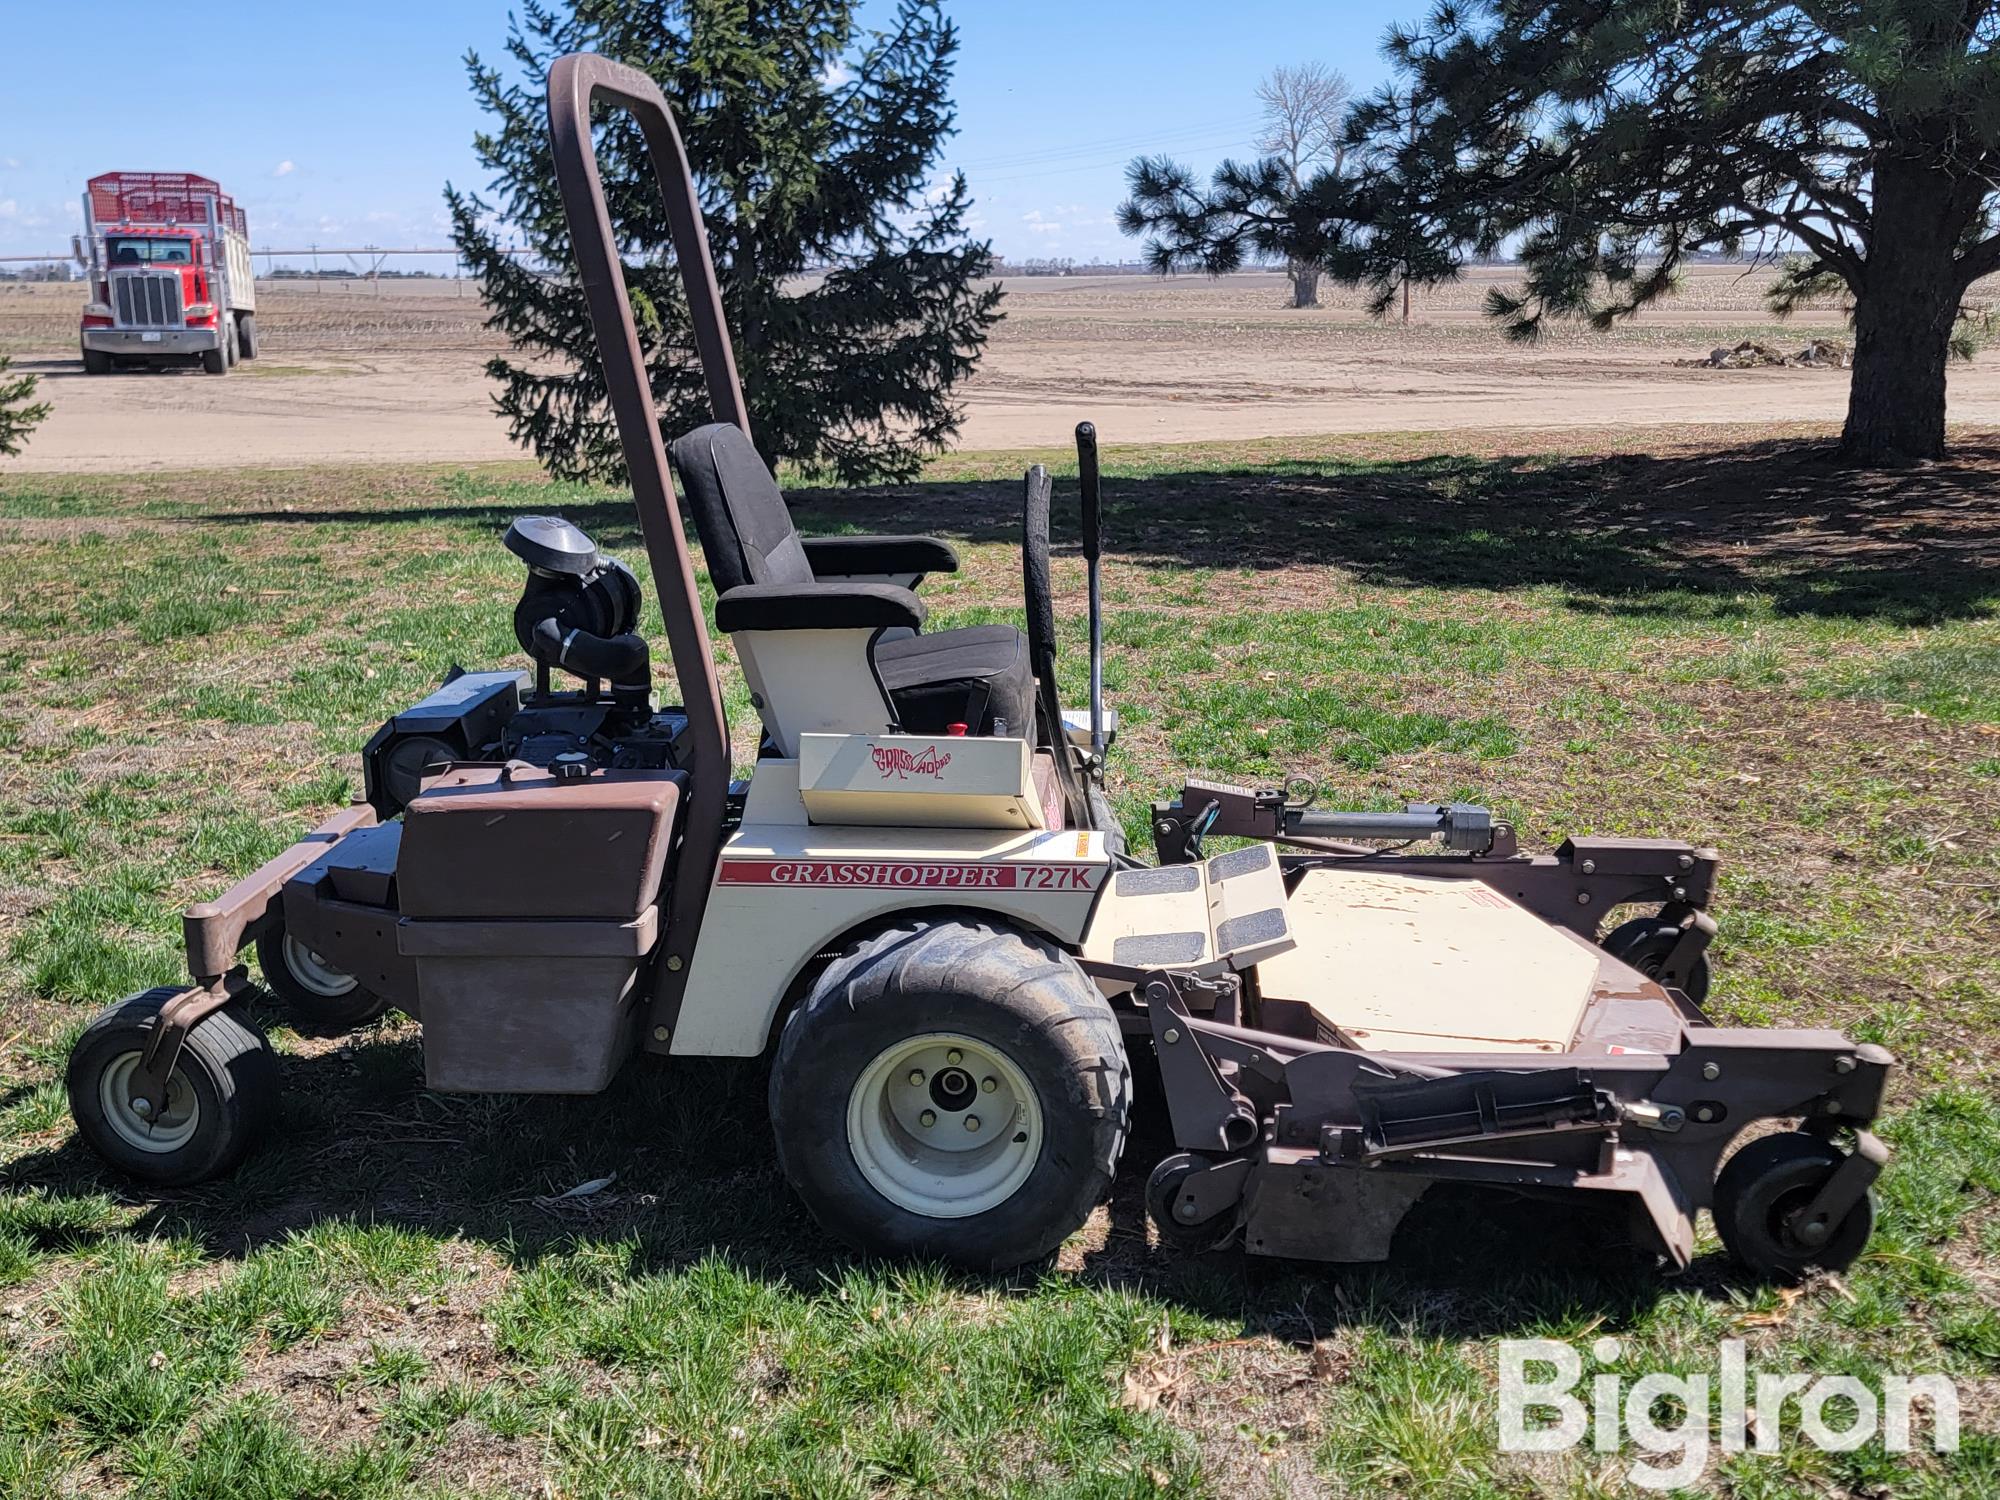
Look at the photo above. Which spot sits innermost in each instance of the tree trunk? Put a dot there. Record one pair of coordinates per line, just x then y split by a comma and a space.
1305, 283
1903, 319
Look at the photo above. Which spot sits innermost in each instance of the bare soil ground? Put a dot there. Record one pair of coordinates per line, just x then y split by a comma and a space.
354, 373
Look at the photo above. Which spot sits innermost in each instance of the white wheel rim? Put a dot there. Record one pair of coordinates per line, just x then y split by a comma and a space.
314, 972
983, 1137
170, 1130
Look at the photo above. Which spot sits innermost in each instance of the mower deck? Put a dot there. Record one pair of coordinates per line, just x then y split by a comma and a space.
1402, 963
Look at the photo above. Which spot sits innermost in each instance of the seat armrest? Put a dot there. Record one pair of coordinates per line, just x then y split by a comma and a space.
818, 606
851, 556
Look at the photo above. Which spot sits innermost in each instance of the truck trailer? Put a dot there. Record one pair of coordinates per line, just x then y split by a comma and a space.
168, 259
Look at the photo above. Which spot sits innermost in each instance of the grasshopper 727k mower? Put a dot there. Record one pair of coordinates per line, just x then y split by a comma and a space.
920, 906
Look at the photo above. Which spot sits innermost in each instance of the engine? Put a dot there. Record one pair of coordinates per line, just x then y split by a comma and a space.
578, 615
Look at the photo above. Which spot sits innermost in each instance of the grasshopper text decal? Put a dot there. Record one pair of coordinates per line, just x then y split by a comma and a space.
894, 761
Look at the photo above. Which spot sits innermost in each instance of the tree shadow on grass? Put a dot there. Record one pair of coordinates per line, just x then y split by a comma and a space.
687, 1145
1776, 525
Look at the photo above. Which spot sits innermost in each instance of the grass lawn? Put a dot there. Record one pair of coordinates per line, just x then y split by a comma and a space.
1720, 639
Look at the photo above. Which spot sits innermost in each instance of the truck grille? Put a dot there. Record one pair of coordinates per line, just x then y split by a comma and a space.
147, 300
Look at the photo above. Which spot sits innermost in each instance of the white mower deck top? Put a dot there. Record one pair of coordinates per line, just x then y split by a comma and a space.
1401, 963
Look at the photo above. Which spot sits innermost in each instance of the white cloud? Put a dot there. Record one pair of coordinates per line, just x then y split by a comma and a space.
834, 74
284, 168
10, 162
9, 208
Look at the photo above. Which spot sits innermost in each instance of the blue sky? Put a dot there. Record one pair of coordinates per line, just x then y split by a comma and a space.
341, 125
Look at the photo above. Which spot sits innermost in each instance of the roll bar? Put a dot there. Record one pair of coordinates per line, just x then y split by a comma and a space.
575, 82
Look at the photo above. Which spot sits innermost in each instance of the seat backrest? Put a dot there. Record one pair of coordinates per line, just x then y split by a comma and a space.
739, 512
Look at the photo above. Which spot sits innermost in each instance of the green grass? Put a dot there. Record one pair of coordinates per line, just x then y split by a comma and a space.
1688, 642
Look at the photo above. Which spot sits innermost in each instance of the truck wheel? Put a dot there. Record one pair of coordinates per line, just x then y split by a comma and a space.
96, 362
231, 349
222, 1096
246, 336
317, 992
956, 1090
1760, 1195
215, 361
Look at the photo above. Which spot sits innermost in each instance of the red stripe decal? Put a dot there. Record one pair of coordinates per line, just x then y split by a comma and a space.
909, 875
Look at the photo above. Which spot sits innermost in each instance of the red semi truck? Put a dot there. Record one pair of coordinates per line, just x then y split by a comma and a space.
168, 257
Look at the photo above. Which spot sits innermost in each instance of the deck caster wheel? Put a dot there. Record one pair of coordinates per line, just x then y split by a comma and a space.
956, 1090
1646, 942
316, 991
1164, 1206
221, 1097
1760, 1201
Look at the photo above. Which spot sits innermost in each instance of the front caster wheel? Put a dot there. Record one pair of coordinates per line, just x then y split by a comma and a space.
222, 1095
1646, 943
956, 1090
1760, 1203
316, 992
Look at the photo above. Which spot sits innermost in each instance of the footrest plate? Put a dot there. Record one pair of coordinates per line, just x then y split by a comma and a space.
1225, 913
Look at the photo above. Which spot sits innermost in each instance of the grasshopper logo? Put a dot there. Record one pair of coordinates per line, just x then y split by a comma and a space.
894, 761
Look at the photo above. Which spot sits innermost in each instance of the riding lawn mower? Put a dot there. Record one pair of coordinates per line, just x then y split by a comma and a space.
920, 907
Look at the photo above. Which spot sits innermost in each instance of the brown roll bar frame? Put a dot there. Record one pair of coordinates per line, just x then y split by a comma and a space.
575, 83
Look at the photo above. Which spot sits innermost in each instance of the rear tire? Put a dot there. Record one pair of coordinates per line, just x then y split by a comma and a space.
314, 990
246, 336
990, 1038
96, 362
222, 1096
215, 361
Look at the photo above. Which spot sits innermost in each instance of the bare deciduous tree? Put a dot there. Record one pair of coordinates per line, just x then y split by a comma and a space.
1304, 110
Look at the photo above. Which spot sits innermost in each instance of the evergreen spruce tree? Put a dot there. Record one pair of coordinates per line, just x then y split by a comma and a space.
19, 415
853, 292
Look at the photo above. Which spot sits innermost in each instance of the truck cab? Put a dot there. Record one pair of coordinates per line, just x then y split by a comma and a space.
168, 259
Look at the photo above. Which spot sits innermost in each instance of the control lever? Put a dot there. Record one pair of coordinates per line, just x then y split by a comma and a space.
1093, 549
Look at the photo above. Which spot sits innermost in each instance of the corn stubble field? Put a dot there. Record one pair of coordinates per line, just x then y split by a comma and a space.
1710, 633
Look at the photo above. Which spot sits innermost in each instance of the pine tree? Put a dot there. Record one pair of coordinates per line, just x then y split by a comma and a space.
1359, 207
18, 414
1610, 140
852, 289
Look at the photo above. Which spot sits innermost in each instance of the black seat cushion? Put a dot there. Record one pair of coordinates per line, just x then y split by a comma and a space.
971, 676
740, 514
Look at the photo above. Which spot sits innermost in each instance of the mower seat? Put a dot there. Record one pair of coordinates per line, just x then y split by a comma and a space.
974, 676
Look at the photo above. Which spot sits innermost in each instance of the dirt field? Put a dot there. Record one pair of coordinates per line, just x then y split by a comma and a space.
353, 373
